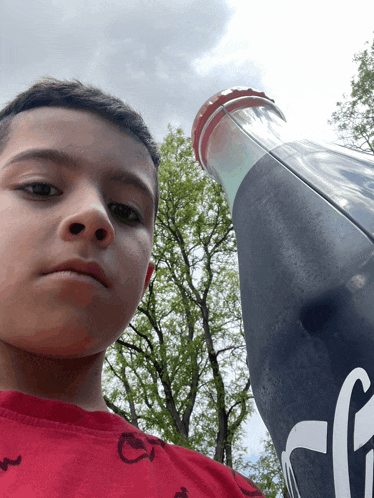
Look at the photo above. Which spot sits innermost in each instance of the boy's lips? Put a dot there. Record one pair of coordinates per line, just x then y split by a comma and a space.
84, 267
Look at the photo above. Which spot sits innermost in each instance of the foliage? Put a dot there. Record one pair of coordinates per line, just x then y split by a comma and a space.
354, 119
179, 370
267, 472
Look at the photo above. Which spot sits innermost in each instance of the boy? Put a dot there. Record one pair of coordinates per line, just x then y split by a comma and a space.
78, 201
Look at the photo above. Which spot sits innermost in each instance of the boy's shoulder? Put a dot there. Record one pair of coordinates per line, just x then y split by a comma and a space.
213, 475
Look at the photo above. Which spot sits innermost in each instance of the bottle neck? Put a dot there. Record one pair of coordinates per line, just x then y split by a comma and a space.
265, 125
240, 138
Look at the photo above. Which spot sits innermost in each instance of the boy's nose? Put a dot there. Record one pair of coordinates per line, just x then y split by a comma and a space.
90, 223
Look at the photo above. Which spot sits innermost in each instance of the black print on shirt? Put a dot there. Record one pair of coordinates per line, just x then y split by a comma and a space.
136, 449
4, 463
181, 494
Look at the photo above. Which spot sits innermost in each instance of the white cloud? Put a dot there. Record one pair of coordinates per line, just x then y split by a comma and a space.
302, 53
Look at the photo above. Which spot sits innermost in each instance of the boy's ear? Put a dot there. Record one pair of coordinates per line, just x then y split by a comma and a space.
151, 267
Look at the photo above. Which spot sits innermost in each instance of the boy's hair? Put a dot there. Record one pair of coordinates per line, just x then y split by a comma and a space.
51, 92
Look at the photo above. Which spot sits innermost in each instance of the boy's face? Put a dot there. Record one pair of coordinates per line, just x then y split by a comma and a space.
81, 214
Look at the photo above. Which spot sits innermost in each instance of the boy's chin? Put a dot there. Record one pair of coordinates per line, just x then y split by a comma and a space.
64, 333
52, 347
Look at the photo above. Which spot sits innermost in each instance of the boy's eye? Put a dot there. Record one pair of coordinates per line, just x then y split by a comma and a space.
127, 213
39, 189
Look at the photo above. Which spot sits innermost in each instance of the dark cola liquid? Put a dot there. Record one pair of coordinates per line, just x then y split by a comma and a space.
307, 287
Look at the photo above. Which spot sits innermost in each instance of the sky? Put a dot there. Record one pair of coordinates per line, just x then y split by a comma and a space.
167, 57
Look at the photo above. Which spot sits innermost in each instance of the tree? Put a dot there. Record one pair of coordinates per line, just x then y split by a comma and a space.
179, 370
354, 119
267, 472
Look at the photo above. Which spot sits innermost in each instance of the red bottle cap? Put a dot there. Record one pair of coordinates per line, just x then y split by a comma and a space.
211, 105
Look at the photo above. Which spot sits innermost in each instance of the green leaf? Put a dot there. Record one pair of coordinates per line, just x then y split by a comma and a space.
354, 119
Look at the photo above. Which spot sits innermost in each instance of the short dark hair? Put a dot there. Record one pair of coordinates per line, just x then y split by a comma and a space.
51, 92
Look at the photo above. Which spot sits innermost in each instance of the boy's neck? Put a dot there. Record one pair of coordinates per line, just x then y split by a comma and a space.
76, 381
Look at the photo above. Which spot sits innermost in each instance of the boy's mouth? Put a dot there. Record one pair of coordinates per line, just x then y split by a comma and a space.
83, 267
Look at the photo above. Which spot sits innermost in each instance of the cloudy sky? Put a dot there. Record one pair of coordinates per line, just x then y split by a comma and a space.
167, 57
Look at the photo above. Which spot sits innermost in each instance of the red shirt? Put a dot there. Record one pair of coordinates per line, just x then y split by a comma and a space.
55, 449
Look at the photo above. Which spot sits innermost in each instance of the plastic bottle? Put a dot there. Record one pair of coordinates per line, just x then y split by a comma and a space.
303, 215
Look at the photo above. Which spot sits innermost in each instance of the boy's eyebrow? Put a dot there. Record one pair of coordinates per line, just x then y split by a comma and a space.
67, 161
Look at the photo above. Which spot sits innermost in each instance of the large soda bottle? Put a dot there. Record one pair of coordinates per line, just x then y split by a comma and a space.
303, 214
